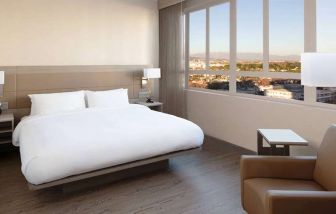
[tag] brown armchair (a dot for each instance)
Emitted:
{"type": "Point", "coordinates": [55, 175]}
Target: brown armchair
{"type": "Point", "coordinates": [285, 185]}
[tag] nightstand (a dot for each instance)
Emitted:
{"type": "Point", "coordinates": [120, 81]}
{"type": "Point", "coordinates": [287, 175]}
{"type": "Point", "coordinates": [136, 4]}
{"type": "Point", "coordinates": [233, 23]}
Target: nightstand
{"type": "Point", "coordinates": [156, 106]}
{"type": "Point", "coordinates": [6, 128]}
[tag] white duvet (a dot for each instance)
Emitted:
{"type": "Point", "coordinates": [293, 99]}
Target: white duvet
{"type": "Point", "coordinates": [64, 144]}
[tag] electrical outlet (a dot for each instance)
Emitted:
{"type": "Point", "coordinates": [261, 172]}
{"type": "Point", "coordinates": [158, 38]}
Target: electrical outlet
{"type": "Point", "coordinates": [4, 105]}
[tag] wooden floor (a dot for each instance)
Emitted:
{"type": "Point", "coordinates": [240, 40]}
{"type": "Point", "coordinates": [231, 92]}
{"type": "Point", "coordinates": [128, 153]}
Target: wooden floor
{"type": "Point", "coordinates": [203, 182]}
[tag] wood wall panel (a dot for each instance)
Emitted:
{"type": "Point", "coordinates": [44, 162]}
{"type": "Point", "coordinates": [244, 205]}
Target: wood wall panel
{"type": "Point", "coordinates": [23, 101]}
{"type": "Point", "coordinates": [19, 113]}
{"type": "Point", "coordinates": [10, 97]}
{"type": "Point", "coordinates": [42, 81]}
{"type": "Point", "coordinates": [25, 80]}
{"type": "Point", "coordinates": [10, 82]}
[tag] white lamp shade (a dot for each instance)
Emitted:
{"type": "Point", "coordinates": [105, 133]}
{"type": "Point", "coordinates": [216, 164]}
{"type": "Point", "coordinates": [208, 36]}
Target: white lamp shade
{"type": "Point", "coordinates": [152, 73]}
{"type": "Point", "coordinates": [318, 69]}
{"type": "Point", "coordinates": [2, 77]}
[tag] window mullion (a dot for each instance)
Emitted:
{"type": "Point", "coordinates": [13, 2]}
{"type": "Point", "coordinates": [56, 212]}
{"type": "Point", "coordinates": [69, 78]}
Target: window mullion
{"type": "Point", "coordinates": [266, 37]}
{"type": "Point", "coordinates": [310, 42]}
{"type": "Point", "coordinates": [207, 46]}
{"type": "Point", "coordinates": [186, 49]}
{"type": "Point", "coordinates": [233, 47]}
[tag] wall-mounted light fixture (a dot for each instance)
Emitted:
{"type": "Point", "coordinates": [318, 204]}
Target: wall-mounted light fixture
{"type": "Point", "coordinates": [2, 82]}
{"type": "Point", "coordinates": [150, 73]}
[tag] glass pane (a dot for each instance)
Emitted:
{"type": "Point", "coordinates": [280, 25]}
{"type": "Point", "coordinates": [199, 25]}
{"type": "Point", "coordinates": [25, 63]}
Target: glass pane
{"type": "Point", "coordinates": [326, 31]}
{"type": "Point", "coordinates": [286, 40]}
{"type": "Point", "coordinates": [271, 87]}
{"type": "Point", "coordinates": [220, 37]}
{"type": "Point", "coordinates": [197, 40]}
{"type": "Point", "coordinates": [326, 42]}
{"type": "Point", "coordinates": [249, 35]}
{"type": "Point", "coordinates": [213, 82]}
{"type": "Point", "coordinates": [326, 95]}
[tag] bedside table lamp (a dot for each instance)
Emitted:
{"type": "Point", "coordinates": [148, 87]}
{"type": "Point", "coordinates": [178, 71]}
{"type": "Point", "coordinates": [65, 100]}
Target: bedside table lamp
{"type": "Point", "coordinates": [2, 82]}
{"type": "Point", "coordinates": [150, 73]}
{"type": "Point", "coordinates": [318, 69]}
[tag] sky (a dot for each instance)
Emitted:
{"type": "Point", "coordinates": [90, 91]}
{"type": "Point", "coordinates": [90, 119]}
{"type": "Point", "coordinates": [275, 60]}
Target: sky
{"type": "Point", "coordinates": [286, 27]}
{"type": "Point", "coordinates": [326, 26]}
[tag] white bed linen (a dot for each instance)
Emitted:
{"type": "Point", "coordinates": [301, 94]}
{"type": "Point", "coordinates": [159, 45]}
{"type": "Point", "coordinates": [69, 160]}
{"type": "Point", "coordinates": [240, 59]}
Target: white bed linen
{"type": "Point", "coordinates": [64, 144]}
{"type": "Point", "coordinates": [57, 102]}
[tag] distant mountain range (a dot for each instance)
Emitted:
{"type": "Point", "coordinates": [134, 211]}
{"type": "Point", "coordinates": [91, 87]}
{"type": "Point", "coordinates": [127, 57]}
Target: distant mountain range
{"type": "Point", "coordinates": [248, 56]}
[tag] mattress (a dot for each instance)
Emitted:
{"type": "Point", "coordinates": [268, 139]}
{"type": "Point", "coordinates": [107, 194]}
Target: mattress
{"type": "Point", "coordinates": [59, 145]}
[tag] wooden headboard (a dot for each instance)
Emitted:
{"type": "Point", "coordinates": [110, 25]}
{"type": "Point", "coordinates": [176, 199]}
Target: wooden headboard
{"type": "Point", "coordinates": [23, 80]}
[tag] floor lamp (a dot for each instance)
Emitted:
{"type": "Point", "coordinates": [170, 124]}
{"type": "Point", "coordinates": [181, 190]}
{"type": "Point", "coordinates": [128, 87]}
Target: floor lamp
{"type": "Point", "coordinates": [318, 69]}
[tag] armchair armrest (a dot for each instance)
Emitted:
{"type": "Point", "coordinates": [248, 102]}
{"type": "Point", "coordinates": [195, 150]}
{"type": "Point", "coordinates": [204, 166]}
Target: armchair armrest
{"type": "Point", "coordinates": [277, 167]}
{"type": "Point", "coordinates": [308, 202]}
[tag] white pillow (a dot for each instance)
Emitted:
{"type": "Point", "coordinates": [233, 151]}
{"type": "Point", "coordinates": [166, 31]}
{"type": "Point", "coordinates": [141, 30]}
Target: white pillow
{"type": "Point", "coordinates": [57, 102]}
{"type": "Point", "coordinates": [107, 99]}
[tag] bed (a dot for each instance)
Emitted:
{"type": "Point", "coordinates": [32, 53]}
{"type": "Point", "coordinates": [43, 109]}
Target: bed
{"type": "Point", "coordinates": [65, 147]}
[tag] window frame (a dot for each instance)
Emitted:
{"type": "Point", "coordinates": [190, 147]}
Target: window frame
{"type": "Point", "coordinates": [310, 45]}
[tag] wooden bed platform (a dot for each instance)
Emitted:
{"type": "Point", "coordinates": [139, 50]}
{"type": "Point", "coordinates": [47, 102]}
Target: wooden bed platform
{"type": "Point", "coordinates": [114, 173]}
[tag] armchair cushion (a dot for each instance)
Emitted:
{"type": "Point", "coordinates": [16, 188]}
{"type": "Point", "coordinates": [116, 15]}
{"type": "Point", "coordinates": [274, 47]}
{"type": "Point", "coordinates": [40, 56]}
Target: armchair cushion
{"type": "Point", "coordinates": [256, 189]}
{"type": "Point", "coordinates": [275, 167]}
{"type": "Point", "coordinates": [307, 202]}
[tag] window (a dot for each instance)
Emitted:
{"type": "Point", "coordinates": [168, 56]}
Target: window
{"type": "Point", "coordinates": [283, 54]}
{"type": "Point", "coordinates": [209, 52]}
{"type": "Point", "coordinates": [326, 95]}
{"type": "Point", "coordinates": [269, 39]}
{"type": "Point", "coordinates": [250, 35]}
{"type": "Point", "coordinates": [219, 38]}
{"type": "Point", "coordinates": [197, 40]}
{"type": "Point", "coordinates": [271, 87]}
{"type": "Point", "coordinates": [326, 42]}
{"type": "Point", "coordinates": [209, 81]}
{"type": "Point", "coordinates": [325, 21]}
{"type": "Point", "coordinates": [286, 35]}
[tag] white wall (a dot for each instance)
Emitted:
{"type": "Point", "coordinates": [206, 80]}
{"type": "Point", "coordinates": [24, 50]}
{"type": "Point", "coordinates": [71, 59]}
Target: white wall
{"type": "Point", "coordinates": [78, 32]}
{"type": "Point", "coordinates": [235, 119]}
